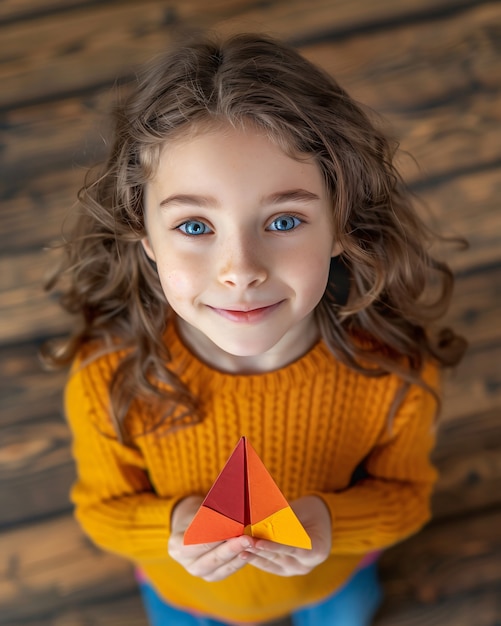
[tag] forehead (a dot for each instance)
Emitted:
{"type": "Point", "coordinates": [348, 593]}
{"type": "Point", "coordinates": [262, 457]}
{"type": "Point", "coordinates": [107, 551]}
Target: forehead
{"type": "Point", "coordinates": [222, 149]}
{"type": "Point", "coordinates": [221, 128]}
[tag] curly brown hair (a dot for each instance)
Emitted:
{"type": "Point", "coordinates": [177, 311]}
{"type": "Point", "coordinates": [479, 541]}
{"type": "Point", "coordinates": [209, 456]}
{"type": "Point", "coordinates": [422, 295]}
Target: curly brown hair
{"type": "Point", "coordinates": [382, 326]}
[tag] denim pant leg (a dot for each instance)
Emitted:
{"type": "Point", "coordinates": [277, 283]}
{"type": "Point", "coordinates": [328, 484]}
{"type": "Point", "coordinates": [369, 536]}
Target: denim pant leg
{"type": "Point", "coordinates": [353, 605]}
{"type": "Point", "coordinates": [161, 614]}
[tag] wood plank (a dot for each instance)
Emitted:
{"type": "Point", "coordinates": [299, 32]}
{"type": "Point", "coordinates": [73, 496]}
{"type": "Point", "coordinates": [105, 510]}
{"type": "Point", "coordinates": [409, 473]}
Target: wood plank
{"type": "Point", "coordinates": [481, 608]}
{"type": "Point", "coordinates": [459, 135]}
{"type": "Point", "coordinates": [27, 392]}
{"type": "Point", "coordinates": [469, 483]}
{"type": "Point", "coordinates": [78, 49]}
{"type": "Point", "coordinates": [83, 39]}
{"type": "Point", "coordinates": [466, 434]}
{"type": "Point", "coordinates": [476, 306]}
{"type": "Point", "coordinates": [323, 19]}
{"type": "Point", "coordinates": [51, 566]}
{"type": "Point", "coordinates": [12, 10]}
{"type": "Point", "coordinates": [433, 577]}
{"type": "Point", "coordinates": [124, 610]}
{"type": "Point", "coordinates": [37, 212]}
{"type": "Point", "coordinates": [26, 310]}
{"type": "Point", "coordinates": [475, 385]}
{"type": "Point", "coordinates": [54, 135]}
{"type": "Point", "coordinates": [421, 64]}
{"type": "Point", "coordinates": [467, 206]}
{"type": "Point", "coordinates": [346, 14]}
{"type": "Point", "coordinates": [468, 458]}
{"type": "Point", "coordinates": [35, 461]}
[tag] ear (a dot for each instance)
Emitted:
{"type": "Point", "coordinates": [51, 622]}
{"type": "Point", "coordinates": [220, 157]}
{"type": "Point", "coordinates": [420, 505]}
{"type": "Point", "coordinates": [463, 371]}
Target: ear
{"type": "Point", "coordinates": [145, 242]}
{"type": "Point", "coordinates": [336, 249]}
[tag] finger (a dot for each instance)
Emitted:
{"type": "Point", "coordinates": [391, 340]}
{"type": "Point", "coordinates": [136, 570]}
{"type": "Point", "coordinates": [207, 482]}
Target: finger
{"type": "Point", "coordinates": [229, 568]}
{"type": "Point", "coordinates": [188, 553]}
{"type": "Point", "coordinates": [286, 566]}
{"type": "Point", "coordinates": [220, 561]}
{"type": "Point", "coordinates": [274, 551]}
{"type": "Point", "coordinates": [263, 545]}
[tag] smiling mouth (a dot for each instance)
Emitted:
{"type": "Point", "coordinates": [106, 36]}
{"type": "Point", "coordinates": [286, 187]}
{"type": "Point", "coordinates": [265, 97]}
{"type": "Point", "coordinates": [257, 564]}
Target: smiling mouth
{"type": "Point", "coordinates": [247, 317]}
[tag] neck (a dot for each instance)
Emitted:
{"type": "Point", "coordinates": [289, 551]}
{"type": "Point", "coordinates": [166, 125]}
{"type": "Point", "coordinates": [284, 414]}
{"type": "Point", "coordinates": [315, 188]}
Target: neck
{"type": "Point", "coordinates": [289, 349]}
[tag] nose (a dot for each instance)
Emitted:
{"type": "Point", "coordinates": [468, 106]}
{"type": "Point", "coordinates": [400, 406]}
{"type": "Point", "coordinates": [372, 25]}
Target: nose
{"type": "Point", "coordinates": [242, 264]}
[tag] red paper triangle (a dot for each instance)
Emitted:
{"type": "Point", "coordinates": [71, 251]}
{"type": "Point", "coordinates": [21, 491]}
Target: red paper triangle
{"type": "Point", "coordinates": [227, 494]}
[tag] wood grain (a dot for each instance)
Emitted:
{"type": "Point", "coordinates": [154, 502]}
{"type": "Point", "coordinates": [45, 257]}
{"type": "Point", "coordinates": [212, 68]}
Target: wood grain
{"type": "Point", "coordinates": [481, 608]}
{"type": "Point", "coordinates": [121, 610]}
{"type": "Point", "coordinates": [27, 392]}
{"type": "Point", "coordinates": [35, 460]}
{"type": "Point", "coordinates": [419, 65]}
{"type": "Point", "coordinates": [468, 458]}
{"type": "Point", "coordinates": [475, 386]}
{"type": "Point", "coordinates": [52, 566]}
{"type": "Point", "coordinates": [435, 566]}
{"type": "Point", "coordinates": [42, 55]}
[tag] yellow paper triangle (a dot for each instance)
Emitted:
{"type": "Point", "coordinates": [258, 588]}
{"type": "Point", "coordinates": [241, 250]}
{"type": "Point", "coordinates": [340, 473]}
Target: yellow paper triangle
{"type": "Point", "coordinates": [282, 527]}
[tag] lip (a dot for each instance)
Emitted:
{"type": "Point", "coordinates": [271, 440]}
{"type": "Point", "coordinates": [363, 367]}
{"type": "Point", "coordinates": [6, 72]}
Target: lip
{"type": "Point", "coordinates": [247, 315]}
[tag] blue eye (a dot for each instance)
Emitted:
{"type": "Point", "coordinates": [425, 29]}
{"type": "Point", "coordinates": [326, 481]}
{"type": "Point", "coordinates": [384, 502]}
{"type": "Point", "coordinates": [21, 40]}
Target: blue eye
{"type": "Point", "coordinates": [284, 223]}
{"type": "Point", "coordinates": [194, 228]}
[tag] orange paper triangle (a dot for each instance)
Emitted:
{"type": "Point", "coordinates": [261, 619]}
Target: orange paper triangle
{"type": "Point", "coordinates": [245, 499]}
{"type": "Point", "coordinates": [212, 526]}
{"type": "Point", "coordinates": [264, 496]}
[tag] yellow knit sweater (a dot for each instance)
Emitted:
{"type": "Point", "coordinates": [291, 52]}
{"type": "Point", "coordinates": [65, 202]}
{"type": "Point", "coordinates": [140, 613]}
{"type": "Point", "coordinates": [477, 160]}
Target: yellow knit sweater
{"type": "Point", "coordinates": [312, 423]}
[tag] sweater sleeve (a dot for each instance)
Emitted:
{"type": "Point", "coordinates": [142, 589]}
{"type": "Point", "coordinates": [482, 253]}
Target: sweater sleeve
{"type": "Point", "coordinates": [114, 501]}
{"type": "Point", "coordinates": [393, 500]}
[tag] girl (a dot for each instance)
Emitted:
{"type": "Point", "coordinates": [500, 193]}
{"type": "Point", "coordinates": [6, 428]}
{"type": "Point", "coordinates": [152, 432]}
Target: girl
{"type": "Point", "coordinates": [248, 263]}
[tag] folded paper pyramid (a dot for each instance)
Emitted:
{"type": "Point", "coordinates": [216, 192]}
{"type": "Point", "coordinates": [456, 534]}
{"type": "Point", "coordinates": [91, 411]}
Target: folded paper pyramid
{"type": "Point", "coordinates": [245, 499]}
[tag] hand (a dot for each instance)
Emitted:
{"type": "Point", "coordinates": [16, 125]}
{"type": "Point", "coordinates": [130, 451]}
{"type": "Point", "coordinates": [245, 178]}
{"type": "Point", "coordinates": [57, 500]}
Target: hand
{"type": "Point", "coordinates": [209, 561]}
{"type": "Point", "coordinates": [276, 558]}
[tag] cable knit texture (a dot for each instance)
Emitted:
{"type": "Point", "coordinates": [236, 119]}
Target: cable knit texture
{"type": "Point", "coordinates": [312, 423]}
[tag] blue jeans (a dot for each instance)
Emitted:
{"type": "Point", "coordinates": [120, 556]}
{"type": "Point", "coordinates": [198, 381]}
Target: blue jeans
{"type": "Point", "coordinates": [353, 605]}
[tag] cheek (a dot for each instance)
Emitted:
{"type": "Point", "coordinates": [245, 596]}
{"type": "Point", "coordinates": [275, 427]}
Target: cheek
{"type": "Point", "coordinates": [312, 275]}
{"type": "Point", "coordinates": [177, 283]}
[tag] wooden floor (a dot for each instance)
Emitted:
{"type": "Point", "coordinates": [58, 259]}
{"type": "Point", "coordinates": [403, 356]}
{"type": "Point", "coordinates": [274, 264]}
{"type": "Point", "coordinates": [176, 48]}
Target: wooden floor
{"type": "Point", "coordinates": [433, 69]}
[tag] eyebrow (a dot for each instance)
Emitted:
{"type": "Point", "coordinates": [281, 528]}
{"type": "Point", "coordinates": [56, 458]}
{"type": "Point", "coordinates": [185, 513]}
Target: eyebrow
{"type": "Point", "coordinates": [291, 195]}
{"type": "Point", "coordinates": [279, 197]}
{"type": "Point", "coordinates": [191, 199]}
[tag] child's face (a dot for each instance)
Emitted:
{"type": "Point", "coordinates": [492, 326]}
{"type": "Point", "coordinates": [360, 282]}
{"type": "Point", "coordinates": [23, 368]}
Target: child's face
{"type": "Point", "coordinates": [242, 237]}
